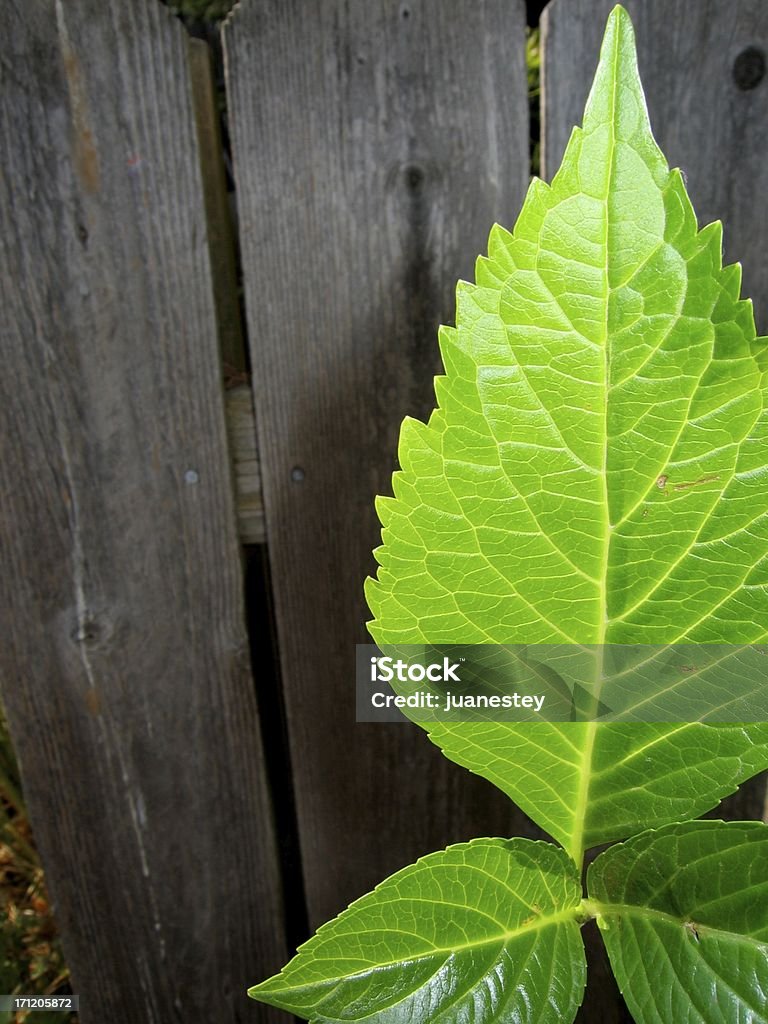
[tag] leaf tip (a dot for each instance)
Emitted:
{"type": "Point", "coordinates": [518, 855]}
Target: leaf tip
{"type": "Point", "coordinates": [617, 79]}
{"type": "Point", "coordinates": [619, 30]}
{"type": "Point", "coordinates": [262, 990]}
{"type": "Point", "coordinates": [618, 13]}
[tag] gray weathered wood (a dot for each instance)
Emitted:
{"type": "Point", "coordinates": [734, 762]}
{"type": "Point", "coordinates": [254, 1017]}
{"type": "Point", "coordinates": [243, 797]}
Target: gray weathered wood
{"type": "Point", "coordinates": [374, 146]}
{"type": "Point", "coordinates": [718, 133]}
{"type": "Point", "coordinates": [124, 664]}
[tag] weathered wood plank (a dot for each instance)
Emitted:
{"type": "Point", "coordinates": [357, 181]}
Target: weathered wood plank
{"type": "Point", "coordinates": [695, 57]}
{"type": "Point", "coordinates": [125, 665]}
{"type": "Point", "coordinates": [374, 145]}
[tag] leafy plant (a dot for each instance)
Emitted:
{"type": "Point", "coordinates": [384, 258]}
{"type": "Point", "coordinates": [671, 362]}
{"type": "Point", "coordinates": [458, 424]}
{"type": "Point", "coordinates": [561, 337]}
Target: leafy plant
{"type": "Point", "coordinates": [533, 71]}
{"type": "Point", "coordinates": [596, 472]}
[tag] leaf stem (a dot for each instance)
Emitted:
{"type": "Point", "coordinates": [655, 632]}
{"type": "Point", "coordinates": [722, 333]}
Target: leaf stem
{"type": "Point", "coordinates": [589, 910]}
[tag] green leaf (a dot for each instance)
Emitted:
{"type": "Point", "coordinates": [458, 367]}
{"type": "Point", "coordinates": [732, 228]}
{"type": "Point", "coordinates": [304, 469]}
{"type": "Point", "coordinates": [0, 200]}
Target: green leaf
{"type": "Point", "coordinates": [487, 931]}
{"type": "Point", "coordinates": [595, 472]}
{"type": "Point", "coordinates": [684, 915]}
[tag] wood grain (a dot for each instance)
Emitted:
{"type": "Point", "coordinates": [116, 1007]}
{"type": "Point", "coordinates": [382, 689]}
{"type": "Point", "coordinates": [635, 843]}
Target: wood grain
{"type": "Point", "coordinates": [125, 665]}
{"type": "Point", "coordinates": [374, 146]}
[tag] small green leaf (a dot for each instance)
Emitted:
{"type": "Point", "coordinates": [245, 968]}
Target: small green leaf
{"type": "Point", "coordinates": [487, 931]}
{"type": "Point", "coordinates": [684, 915]}
{"type": "Point", "coordinates": [596, 472]}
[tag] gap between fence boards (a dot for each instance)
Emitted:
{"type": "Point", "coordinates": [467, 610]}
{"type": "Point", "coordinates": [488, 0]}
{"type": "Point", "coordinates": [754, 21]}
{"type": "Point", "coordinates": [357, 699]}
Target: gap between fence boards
{"type": "Point", "coordinates": [222, 245]}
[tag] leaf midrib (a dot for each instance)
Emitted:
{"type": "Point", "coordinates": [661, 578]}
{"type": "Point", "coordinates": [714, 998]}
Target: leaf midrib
{"type": "Point", "coordinates": [630, 910]}
{"type": "Point", "coordinates": [503, 938]}
{"type": "Point", "coordinates": [577, 847]}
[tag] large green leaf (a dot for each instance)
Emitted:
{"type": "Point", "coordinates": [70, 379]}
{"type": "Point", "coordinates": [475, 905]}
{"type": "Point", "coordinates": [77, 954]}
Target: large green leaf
{"type": "Point", "coordinates": [596, 472]}
{"type": "Point", "coordinates": [684, 915]}
{"type": "Point", "coordinates": [483, 931]}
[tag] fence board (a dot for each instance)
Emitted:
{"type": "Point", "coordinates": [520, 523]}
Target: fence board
{"type": "Point", "coordinates": [695, 57]}
{"type": "Point", "coordinates": [125, 666]}
{"type": "Point", "coordinates": [374, 145]}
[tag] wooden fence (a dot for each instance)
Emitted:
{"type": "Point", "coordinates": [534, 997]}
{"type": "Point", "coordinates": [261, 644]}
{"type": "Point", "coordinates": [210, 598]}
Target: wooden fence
{"type": "Point", "coordinates": [180, 604]}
